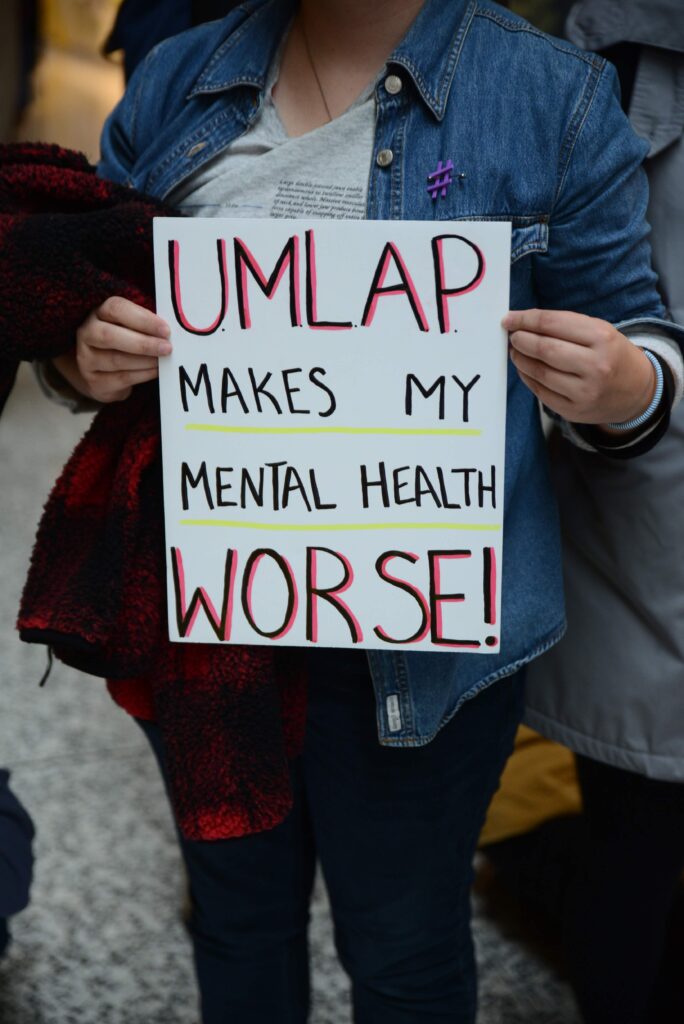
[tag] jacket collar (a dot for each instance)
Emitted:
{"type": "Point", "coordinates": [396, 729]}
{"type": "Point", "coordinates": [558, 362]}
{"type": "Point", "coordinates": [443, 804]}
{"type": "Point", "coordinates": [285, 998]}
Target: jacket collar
{"type": "Point", "coordinates": [431, 67]}
{"type": "Point", "coordinates": [244, 56]}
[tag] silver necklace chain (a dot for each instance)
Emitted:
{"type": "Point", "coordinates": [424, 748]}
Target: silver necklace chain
{"type": "Point", "coordinates": [313, 68]}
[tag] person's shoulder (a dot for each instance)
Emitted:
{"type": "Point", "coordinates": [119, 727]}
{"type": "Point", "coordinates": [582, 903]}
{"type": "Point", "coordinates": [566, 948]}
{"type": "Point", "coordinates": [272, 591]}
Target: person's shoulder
{"type": "Point", "coordinates": [543, 72]}
{"type": "Point", "coordinates": [526, 40]}
{"type": "Point", "coordinates": [174, 70]}
{"type": "Point", "coordinates": [197, 46]}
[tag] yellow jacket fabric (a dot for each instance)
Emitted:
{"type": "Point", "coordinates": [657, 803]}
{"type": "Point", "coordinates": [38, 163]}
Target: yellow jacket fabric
{"type": "Point", "coordinates": [538, 783]}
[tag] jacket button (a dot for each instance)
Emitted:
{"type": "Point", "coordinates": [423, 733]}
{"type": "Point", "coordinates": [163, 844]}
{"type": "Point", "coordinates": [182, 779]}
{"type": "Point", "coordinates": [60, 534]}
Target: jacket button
{"type": "Point", "coordinates": [194, 150]}
{"type": "Point", "coordinates": [385, 157]}
{"type": "Point", "coordinates": [393, 84]}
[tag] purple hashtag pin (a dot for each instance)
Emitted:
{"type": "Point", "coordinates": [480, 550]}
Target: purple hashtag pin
{"type": "Point", "coordinates": [440, 179]}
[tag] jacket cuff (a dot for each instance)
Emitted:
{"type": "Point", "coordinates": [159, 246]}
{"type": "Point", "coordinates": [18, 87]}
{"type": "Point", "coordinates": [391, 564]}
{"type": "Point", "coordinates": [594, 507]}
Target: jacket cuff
{"type": "Point", "coordinates": [613, 445]}
{"type": "Point", "coordinates": [58, 390]}
{"type": "Point", "coordinates": [664, 339]}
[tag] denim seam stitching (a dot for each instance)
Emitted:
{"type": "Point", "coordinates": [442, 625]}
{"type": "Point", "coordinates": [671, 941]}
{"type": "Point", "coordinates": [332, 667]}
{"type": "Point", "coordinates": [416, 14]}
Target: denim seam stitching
{"type": "Point", "coordinates": [538, 245]}
{"type": "Point", "coordinates": [516, 219]}
{"type": "Point", "coordinates": [137, 96]}
{"type": "Point", "coordinates": [523, 250]}
{"type": "Point", "coordinates": [252, 11]}
{"type": "Point", "coordinates": [207, 128]}
{"type": "Point", "coordinates": [231, 83]}
{"type": "Point", "coordinates": [513, 26]}
{"type": "Point", "coordinates": [383, 129]}
{"type": "Point", "coordinates": [396, 187]}
{"type": "Point", "coordinates": [506, 670]}
{"type": "Point", "coordinates": [407, 63]}
{"type": "Point", "coordinates": [580, 117]}
{"type": "Point", "coordinates": [457, 48]}
{"type": "Point", "coordinates": [404, 692]}
{"type": "Point", "coordinates": [437, 103]}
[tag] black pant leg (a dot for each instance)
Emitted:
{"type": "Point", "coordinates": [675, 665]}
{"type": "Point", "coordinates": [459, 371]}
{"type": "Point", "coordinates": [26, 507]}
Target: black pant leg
{"type": "Point", "coordinates": [396, 830]}
{"type": "Point", "coordinates": [16, 856]}
{"type": "Point", "coordinates": [538, 867]}
{"type": "Point", "coordinates": [250, 911]}
{"type": "Point", "coordinates": [619, 903]}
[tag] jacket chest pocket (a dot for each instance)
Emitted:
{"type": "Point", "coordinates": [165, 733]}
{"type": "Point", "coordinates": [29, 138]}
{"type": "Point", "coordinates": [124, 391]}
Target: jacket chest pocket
{"type": "Point", "coordinates": [529, 234]}
{"type": "Point", "coordinates": [527, 238]}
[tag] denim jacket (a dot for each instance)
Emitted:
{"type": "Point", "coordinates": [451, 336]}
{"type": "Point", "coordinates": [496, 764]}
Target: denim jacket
{"type": "Point", "coordinates": [536, 128]}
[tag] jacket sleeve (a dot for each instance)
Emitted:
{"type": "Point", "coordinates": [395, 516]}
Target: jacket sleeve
{"type": "Point", "coordinates": [599, 258]}
{"type": "Point", "coordinates": [119, 142]}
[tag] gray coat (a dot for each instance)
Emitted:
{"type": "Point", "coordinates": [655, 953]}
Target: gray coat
{"type": "Point", "coordinates": [613, 689]}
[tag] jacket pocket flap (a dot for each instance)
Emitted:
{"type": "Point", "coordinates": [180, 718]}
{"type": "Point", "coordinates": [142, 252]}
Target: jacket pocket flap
{"type": "Point", "coordinates": [529, 237]}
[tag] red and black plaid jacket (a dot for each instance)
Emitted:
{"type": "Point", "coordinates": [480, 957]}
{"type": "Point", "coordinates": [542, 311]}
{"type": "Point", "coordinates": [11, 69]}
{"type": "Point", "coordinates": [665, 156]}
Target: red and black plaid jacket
{"type": "Point", "coordinates": [95, 591]}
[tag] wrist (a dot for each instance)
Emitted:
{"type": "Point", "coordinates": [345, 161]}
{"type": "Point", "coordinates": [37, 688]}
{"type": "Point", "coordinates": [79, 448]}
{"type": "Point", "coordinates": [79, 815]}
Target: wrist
{"type": "Point", "coordinates": [66, 367]}
{"type": "Point", "coordinates": [650, 398]}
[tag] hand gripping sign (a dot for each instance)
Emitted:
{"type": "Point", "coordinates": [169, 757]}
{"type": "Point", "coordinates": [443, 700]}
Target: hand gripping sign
{"type": "Point", "coordinates": [333, 427]}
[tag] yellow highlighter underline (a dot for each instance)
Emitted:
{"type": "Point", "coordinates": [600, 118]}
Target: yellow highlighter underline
{"type": "Point", "coordinates": [215, 428]}
{"type": "Point", "coordinates": [338, 527]}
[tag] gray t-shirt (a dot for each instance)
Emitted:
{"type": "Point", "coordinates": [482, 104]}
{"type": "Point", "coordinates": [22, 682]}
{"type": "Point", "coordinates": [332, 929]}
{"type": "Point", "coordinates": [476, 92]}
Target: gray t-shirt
{"type": "Point", "coordinates": [321, 174]}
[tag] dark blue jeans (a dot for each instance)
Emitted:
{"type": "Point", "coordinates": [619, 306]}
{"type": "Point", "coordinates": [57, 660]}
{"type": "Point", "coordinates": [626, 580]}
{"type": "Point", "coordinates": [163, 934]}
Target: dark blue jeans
{"type": "Point", "coordinates": [394, 830]}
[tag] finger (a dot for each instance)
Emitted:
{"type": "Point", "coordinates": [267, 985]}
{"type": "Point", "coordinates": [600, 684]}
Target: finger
{"type": "Point", "coordinates": [574, 327]}
{"type": "Point", "coordinates": [562, 384]}
{"type": "Point", "coordinates": [108, 382]}
{"type": "Point", "coordinates": [111, 361]}
{"type": "Point", "coordinates": [549, 398]}
{"type": "Point", "coordinates": [106, 335]}
{"type": "Point", "coordinates": [117, 310]}
{"type": "Point", "coordinates": [554, 352]}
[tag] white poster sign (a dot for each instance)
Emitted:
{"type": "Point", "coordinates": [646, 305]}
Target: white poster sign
{"type": "Point", "coordinates": [333, 425]}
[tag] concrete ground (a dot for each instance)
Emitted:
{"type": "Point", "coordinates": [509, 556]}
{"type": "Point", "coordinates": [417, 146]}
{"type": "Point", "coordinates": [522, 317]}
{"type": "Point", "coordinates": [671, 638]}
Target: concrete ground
{"type": "Point", "coordinates": [103, 942]}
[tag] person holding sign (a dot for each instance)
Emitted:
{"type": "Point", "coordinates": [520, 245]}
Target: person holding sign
{"type": "Point", "coordinates": [413, 111]}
